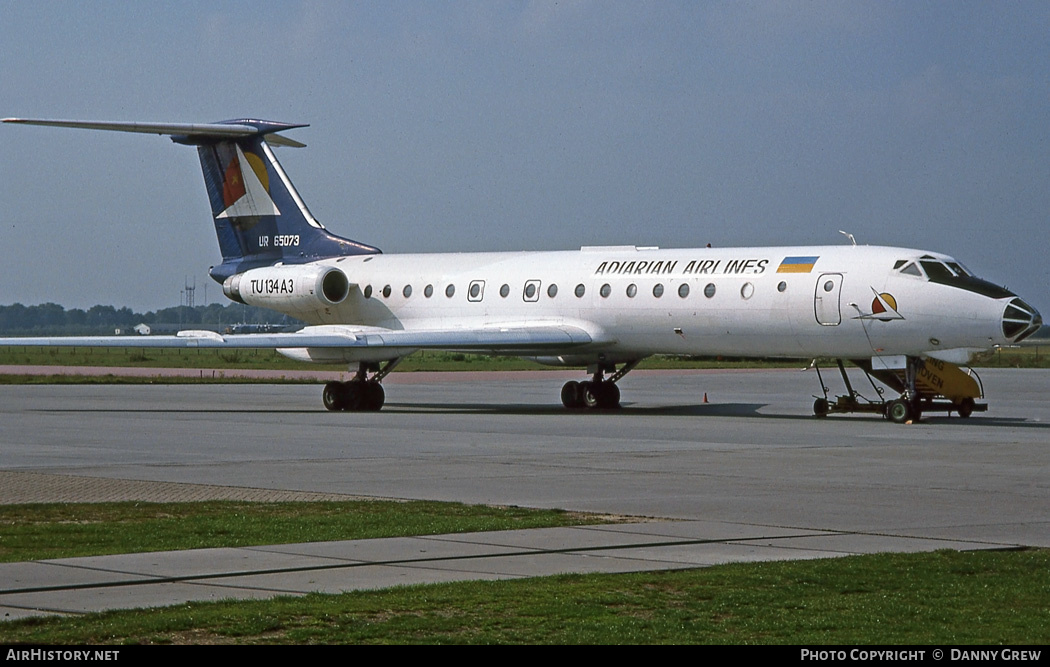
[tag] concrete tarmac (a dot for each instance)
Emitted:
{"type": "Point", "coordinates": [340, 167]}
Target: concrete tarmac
{"type": "Point", "coordinates": [751, 475]}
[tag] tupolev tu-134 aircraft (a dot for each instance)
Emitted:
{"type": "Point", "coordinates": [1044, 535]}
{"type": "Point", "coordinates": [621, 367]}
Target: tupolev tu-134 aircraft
{"type": "Point", "coordinates": [908, 318]}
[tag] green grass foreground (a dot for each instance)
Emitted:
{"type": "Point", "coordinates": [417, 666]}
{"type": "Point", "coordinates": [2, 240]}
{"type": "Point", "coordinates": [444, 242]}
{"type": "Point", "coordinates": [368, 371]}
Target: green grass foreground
{"type": "Point", "coordinates": [945, 597]}
{"type": "Point", "coordinates": [63, 530]}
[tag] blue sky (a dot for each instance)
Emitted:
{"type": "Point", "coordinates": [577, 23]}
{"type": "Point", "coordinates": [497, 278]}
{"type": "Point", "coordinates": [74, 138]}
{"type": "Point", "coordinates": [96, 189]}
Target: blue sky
{"type": "Point", "coordinates": [446, 126]}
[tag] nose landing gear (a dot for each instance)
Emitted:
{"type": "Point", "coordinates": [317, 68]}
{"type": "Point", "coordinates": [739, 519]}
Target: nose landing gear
{"type": "Point", "coordinates": [924, 385]}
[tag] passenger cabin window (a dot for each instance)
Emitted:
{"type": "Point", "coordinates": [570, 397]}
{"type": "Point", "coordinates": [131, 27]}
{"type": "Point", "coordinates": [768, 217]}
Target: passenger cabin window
{"type": "Point", "coordinates": [476, 291]}
{"type": "Point", "coordinates": [532, 290]}
{"type": "Point", "coordinates": [632, 290]}
{"type": "Point", "coordinates": [428, 291]}
{"type": "Point", "coordinates": [368, 291]}
{"type": "Point", "coordinates": [683, 290]}
{"type": "Point", "coordinates": [407, 291]}
{"type": "Point", "coordinates": [580, 290]}
{"type": "Point", "coordinates": [658, 290]}
{"type": "Point", "coordinates": [605, 291]}
{"type": "Point", "coordinates": [552, 290]}
{"type": "Point", "coordinates": [386, 292]}
{"type": "Point", "coordinates": [504, 290]}
{"type": "Point", "coordinates": [709, 290]}
{"type": "Point", "coordinates": [450, 290]}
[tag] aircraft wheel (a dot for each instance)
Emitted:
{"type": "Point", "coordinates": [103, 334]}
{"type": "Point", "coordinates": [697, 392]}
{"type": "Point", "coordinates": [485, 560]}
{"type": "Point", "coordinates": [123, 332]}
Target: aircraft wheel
{"type": "Point", "coordinates": [591, 394]}
{"type": "Point", "coordinates": [353, 394]}
{"type": "Point", "coordinates": [821, 408]}
{"type": "Point", "coordinates": [334, 396]}
{"type": "Point", "coordinates": [372, 397]}
{"type": "Point", "coordinates": [572, 395]}
{"type": "Point", "coordinates": [900, 411]}
{"type": "Point", "coordinates": [603, 395]}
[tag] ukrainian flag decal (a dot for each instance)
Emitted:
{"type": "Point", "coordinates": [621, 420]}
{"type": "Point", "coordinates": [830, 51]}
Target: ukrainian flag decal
{"type": "Point", "coordinates": [797, 264]}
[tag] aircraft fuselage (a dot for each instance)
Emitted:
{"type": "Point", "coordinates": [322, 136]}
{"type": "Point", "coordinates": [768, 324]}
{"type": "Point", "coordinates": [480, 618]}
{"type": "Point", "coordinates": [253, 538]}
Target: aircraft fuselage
{"type": "Point", "coordinates": [637, 302]}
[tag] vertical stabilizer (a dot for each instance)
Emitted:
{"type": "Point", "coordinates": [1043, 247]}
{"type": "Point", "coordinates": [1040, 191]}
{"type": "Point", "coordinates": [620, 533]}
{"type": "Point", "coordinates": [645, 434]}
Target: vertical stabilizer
{"type": "Point", "coordinates": [259, 217]}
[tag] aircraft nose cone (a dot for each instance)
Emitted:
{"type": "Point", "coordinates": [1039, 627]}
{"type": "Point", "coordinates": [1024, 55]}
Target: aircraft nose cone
{"type": "Point", "coordinates": [1020, 320]}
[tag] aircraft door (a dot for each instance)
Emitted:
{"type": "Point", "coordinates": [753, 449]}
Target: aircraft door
{"type": "Point", "coordinates": [826, 299]}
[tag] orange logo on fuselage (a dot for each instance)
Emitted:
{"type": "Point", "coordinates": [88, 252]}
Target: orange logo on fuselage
{"type": "Point", "coordinates": [884, 307]}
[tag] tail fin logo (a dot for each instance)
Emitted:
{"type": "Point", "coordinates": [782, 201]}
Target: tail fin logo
{"type": "Point", "coordinates": [246, 187]}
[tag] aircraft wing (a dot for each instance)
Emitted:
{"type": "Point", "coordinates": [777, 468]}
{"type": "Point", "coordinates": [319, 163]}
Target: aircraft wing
{"type": "Point", "coordinates": [509, 338]}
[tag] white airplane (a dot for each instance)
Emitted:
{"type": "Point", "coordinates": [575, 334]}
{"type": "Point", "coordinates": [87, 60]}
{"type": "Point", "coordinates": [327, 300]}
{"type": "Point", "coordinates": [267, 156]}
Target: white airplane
{"type": "Point", "coordinates": [907, 317]}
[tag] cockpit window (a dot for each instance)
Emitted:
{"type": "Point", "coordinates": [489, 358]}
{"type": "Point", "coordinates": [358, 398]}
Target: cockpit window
{"type": "Point", "coordinates": [947, 271]}
{"type": "Point", "coordinates": [1020, 320]}
{"type": "Point", "coordinates": [936, 271]}
{"type": "Point", "coordinates": [910, 269]}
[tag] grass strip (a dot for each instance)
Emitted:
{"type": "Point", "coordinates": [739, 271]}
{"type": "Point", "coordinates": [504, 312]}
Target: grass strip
{"type": "Point", "coordinates": [945, 597]}
{"type": "Point", "coordinates": [62, 530]}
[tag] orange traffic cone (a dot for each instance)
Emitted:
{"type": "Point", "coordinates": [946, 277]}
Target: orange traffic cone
{"type": "Point", "coordinates": [705, 397]}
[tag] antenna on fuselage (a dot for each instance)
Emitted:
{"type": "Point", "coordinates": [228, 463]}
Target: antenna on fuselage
{"type": "Point", "coordinates": [849, 236]}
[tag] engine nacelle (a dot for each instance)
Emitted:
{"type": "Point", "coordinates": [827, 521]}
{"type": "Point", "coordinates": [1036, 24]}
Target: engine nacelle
{"type": "Point", "coordinates": [294, 288]}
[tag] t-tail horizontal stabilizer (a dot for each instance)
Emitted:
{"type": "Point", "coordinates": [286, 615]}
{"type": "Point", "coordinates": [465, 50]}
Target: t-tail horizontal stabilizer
{"type": "Point", "coordinates": [260, 219]}
{"type": "Point", "coordinates": [189, 133]}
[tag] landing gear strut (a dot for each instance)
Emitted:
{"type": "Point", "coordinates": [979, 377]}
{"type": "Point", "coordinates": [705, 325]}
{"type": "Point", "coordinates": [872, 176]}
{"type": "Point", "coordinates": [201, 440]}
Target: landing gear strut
{"type": "Point", "coordinates": [906, 408]}
{"type": "Point", "coordinates": [361, 393]}
{"type": "Point", "coordinates": [599, 391]}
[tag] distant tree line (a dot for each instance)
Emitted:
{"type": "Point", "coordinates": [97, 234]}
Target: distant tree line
{"type": "Point", "coordinates": [51, 319]}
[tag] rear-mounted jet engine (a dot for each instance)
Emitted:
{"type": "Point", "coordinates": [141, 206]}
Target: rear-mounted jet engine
{"type": "Point", "coordinates": [289, 288]}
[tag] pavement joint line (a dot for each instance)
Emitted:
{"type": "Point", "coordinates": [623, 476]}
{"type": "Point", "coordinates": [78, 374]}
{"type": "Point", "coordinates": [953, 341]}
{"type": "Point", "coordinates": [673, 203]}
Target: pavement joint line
{"type": "Point", "coordinates": [148, 579]}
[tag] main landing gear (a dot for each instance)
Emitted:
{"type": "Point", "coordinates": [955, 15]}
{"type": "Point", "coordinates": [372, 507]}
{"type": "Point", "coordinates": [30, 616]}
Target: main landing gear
{"type": "Point", "coordinates": [361, 393]}
{"type": "Point", "coordinates": [598, 392]}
